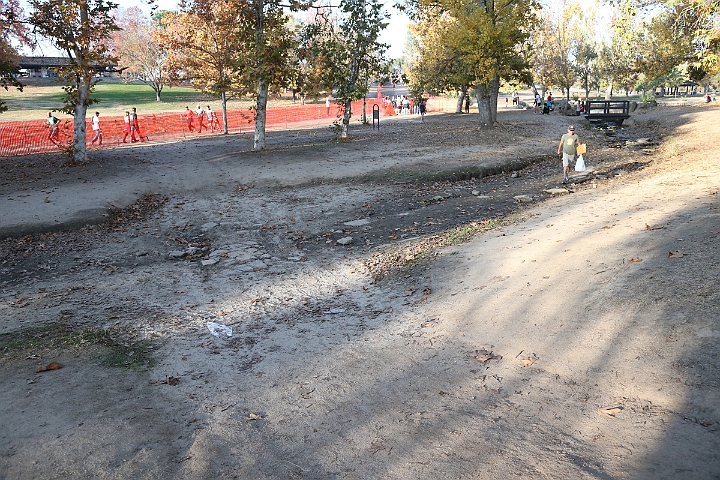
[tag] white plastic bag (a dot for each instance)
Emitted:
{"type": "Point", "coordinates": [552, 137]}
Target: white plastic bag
{"type": "Point", "coordinates": [580, 164]}
{"type": "Point", "coordinates": [217, 328]}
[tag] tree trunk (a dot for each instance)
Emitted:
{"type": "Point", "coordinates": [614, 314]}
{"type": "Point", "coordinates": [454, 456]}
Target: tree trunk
{"type": "Point", "coordinates": [482, 93]}
{"type": "Point", "coordinates": [223, 101]}
{"type": "Point", "coordinates": [345, 127]}
{"type": "Point", "coordinates": [260, 115]}
{"type": "Point", "coordinates": [461, 99]}
{"type": "Point", "coordinates": [157, 93]}
{"type": "Point", "coordinates": [79, 152]}
{"type": "Point", "coordinates": [487, 98]}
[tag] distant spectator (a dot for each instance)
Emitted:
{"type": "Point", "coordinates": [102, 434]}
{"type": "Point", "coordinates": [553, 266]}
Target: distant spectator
{"type": "Point", "coordinates": [200, 113]}
{"type": "Point", "coordinates": [54, 125]}
{"type": "Point", "coordinates": [212, 119]}
{"type": "Point", "coordinates": [137, 126]}
{"type": "Point", "coordinates": [95, 122]}
{"type": "Point", "coordinates": [133, 126]}
{"type": "Point", "coordinates": [190, 117]}
{"type": "Point", "coordinates": [126, 128]}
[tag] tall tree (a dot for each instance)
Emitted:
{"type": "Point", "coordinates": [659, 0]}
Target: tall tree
{"type": "Point", "coordinates": [232, 48]}
{"type": "Point", "coordinates": [437, 66]}
{"type": "Point", "coordinates": [270, 66]}
{"type": "Point", "coordinates": [81, 29]}
{"type": "Point", "coordinates": [347, 42]}
{"type": "Point", "coordinates": [141, 56]}
{"type": "Point", "coordinates": [491, 37]}
{"type": "Point", "coordinates": [205, 46]}
{"type": "Point", "coordinates": [564, 46]}
{"type": "Point", "coordinates": [617, 59]}
{"type": "Point", "coordinates": [11, 28]}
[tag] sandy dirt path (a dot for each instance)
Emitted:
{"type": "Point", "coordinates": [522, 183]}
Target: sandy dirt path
{"type": "Point", "coordinates": [578, 340]}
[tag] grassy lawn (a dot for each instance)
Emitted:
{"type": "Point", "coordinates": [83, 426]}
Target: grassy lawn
{"type": "Point", "coordinates": [42, 95]}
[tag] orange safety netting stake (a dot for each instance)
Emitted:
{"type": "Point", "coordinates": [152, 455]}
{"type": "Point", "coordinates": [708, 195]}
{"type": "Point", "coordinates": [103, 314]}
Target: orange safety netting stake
{"type": "Point", "coordinates": [32, 136]}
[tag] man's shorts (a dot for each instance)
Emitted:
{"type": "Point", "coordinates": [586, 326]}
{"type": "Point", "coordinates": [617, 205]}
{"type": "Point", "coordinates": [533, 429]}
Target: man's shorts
{"type": "Point", "coordinates": [568, 159]}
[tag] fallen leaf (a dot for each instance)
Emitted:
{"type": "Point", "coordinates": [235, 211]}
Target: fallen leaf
{"type": "Point", "coordinates": [636, 259]}
{"type": "Point", "coordinates": [50, 366]}
{"type": "Point", "coordinates": [253, 416]}
{"type": "Point", "coordinates": [676, 254]}
{"type": "Point", "coordinates": [610, 412]}
{"type": "Point", "coordinates": [530, 360]}
{"type": "Point", "coordinates": [172, 381]}
{"type": "Point", "coordinates": [654, 227]}
{"type": "Point", "coordinates": [485, 356]}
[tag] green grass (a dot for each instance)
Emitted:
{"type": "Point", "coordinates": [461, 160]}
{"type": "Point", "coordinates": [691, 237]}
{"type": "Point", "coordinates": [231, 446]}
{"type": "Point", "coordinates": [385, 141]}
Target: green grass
{"type": "Point", "coordinates": [41, 95]}
{"type": "Point", "coordinates": [106, 346]}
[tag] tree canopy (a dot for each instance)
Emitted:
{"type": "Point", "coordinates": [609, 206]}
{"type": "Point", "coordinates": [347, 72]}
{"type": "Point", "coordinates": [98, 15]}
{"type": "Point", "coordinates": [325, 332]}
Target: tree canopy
{"type": "Point", "coordinates": [479, 42]}
{"type": "Point", "coordinates": [11, 29]}
{"type": "Point", "coordinates": [81, 29]}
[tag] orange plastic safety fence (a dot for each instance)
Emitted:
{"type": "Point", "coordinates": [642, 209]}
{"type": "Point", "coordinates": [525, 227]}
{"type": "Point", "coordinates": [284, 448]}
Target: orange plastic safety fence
{"type": "Point", "coordinates": [33, 136]}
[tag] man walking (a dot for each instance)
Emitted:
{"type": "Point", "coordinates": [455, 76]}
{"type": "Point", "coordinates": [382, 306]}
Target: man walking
{"type": "Point", "coordinates": [568, 147]}
{"type": "Point", "coordinates": [200, 113]}
{"type": "Point", "coordinates": [133, 126]}
{"type": "Point", "coordinates": [212, 119]}
{"type": "Point", "coordinates": [190, 117]}
{"type": "Point", "coordinates": [54, 125]}
{"type": "Point", "coordinates": [95, 121]}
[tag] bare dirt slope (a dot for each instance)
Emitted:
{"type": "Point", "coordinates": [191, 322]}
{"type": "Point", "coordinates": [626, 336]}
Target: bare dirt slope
{"type": "Point", "coordinates": [573, 336]}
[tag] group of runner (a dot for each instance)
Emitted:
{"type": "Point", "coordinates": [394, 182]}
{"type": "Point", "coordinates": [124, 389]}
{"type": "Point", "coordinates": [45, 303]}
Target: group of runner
{"type": "Point", "coordinates": [131, 128]}
{"type": "Point", "coordinates": [203, 117]}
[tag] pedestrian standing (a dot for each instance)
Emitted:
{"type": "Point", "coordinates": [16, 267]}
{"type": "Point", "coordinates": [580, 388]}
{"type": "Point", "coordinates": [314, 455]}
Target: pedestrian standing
{"type": "Point", "coordinates": [133, 126]}
{"type": "Point", "coordinates": [212, 119]}
{"type": "Point", "coordinates": [54, 126]}
{"type": "Point", "coordinates": [467, 103]}
{"type": "Point", "coordinates": [95, 122]}
{"type": "Point", "coordinates": [126, 128]}
{"type": "Point", "coordinates": [327, 105]}
{"type": "Point", "coordinates": [190, 117]}
{"type": "Point", "coordinates": [423, 106]}
{"type": "Point", "coordinates": [568, 148]}
{"type": "Point", "coordinates": [136, 124]}
{"type": "Point", "coordinates": [200, 113]}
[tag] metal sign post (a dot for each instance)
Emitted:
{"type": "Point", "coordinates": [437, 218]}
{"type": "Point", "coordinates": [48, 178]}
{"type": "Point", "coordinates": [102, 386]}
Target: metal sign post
{"type": "Point", "coordinates": [376, 116]}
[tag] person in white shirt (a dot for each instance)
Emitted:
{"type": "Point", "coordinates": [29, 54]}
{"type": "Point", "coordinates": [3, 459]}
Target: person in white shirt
{"type": "Point", "coordinates": [200, 114]}
{"type": "Point", "coordinates": [212, 119]}
{"type": "Point", "coordinates": [96, 128]}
